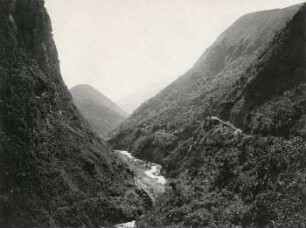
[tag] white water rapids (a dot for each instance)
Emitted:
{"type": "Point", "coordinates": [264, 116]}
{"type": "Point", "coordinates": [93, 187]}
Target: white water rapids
{"type": "Point", "coordinates": [154, 173]}
{"type": "Point", "coordinates": [147, 174]}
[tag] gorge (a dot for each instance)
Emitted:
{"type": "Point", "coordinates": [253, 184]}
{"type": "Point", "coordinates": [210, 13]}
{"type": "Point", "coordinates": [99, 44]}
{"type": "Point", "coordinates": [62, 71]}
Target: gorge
{"type": "Point", "coordinates": [230, 132]}
{"type": "Point", "coordinates": [222, 146]}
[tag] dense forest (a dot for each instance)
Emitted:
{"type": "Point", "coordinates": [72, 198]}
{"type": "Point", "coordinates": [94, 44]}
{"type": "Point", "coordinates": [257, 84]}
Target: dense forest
{"type": "Point", "coordinates": [222, 146]}
{"type": "Point", "coordinates": [54, 170]}
{"type": "Point", "coordinates": [230, 132]}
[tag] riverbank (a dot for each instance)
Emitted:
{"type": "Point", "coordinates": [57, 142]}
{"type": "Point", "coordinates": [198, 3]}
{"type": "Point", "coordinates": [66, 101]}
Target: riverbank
{"type": "Point", "coordinates": [147, 177]}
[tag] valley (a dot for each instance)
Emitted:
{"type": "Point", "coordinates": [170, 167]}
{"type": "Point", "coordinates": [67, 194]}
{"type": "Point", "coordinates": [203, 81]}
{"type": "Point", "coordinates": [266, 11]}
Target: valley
{"type": "Point", "coordinates": [222, 146]}
{"type": "Point", "coordinates": [146, 176]}
{"type": "Point", "coordinates": [230, 131]}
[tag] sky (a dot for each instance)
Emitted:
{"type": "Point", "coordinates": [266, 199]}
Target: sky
{"type": "Point", "coordinates": [123, 46]}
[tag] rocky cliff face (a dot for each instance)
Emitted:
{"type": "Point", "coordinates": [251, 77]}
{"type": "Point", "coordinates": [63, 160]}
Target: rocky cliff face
{"type": "Point", "coordinates": [54, 171]}
{"type": "Point", "coordinates": [102, 113]}
{"type": "Point", "coordinates": [254, 77]}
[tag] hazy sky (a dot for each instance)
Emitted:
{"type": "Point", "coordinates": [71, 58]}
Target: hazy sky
{"type": "Point", "coordinates": [119, 46]}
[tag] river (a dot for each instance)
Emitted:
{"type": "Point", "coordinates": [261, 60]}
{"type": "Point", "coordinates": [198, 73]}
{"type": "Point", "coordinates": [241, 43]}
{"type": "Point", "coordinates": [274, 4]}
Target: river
{"type": "Point", "coordinates": [147, 177]}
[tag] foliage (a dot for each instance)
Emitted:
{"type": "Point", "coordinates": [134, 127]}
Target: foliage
{"type": "Point", "coordinates": [235, 179]}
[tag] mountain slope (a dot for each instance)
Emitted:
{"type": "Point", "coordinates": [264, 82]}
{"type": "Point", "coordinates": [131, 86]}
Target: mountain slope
{"type": "Point", "coordinates": [254, 77]}
{"type": "Point", "coordinates": [54, 171]}
{"type": "Point", "coordinates": [103, 114]}
{"type": "Point", "coordinates": [240, 73]}
{"type": "Point", "coordinates": [226, 177]}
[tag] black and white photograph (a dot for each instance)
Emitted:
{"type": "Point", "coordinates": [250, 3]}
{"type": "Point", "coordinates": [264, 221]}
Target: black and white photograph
{"type": "Point", "coordinates": [152, 114]}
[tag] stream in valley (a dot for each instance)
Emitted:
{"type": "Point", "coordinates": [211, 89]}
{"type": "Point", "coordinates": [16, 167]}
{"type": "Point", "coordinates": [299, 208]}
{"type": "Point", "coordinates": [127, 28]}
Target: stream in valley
{"type": "Point", "coordinates": [147, 177]}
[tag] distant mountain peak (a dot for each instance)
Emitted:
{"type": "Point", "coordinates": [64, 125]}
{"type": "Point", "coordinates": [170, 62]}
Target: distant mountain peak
{"type": "Point", "coordinates": [101, 112]}
{"type": "Point", "coordinates": [93, 93]}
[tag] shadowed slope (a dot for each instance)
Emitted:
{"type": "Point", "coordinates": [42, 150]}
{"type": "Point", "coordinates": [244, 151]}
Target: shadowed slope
{"type": "Point", "coordinates": [53, 169]}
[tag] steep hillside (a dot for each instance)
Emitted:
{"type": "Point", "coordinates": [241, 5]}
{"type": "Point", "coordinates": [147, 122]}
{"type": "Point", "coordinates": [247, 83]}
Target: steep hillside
{"type": "Point", "coordinates": [243, 77]}
{"type": "Point", "coordinates": [54, 171]}
{"type": "Point", "coordinates": [102, 114]}
{"type": "Point", "coordinates": [254, 77]}
{"type": "Point", "coordinates": [225, 177]}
